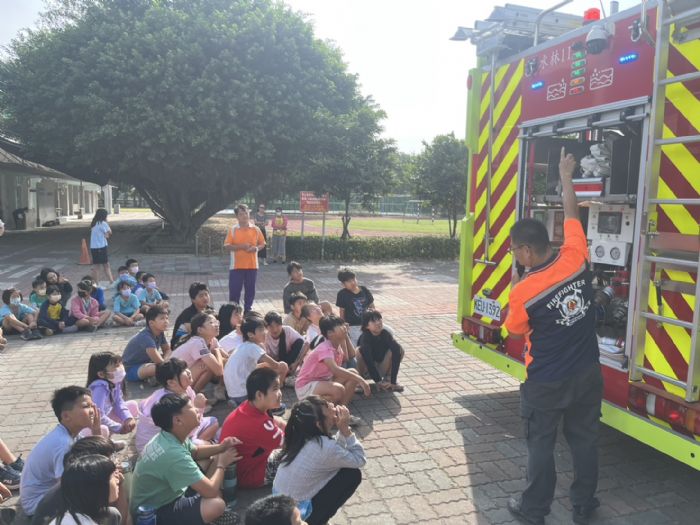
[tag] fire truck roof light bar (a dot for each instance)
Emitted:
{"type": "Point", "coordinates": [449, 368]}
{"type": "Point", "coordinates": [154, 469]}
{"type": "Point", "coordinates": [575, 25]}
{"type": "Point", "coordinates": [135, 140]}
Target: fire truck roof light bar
{"type": "Point", "coordinates": [689, 139]}
{"type": "Point", "coordinates": [671, 261]}
{"type": "Point", "coordinates": [682, 17]}
{"type": "Point", "coordinates": [669, 320]}
{"type": "Point", "coordinates": [680, 78]}
{"type": "Point", "coordinates": [661, 377]}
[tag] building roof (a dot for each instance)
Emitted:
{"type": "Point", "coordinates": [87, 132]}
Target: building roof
{"type": "Point", "coordinates": [17, 164]}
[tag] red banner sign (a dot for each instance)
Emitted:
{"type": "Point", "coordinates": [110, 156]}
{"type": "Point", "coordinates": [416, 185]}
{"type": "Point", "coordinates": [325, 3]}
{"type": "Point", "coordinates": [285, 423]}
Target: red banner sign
{"type": "Point", "coordinates": [310, 202]}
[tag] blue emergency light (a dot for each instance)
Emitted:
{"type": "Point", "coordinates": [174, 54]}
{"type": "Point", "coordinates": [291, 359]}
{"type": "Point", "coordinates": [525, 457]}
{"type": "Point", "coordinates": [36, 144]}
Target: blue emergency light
{"type": "Point", "coordinates": [537, 85]}
{"type": "Point", "coordinates": [629, 57]}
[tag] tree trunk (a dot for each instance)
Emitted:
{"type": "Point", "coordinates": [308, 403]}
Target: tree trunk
{"type": "Point", "coordinates": [346, 221]}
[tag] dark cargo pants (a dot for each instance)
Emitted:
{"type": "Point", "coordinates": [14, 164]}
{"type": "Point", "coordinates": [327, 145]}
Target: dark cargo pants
{"type": "Point", "coordinates": [578, 401]}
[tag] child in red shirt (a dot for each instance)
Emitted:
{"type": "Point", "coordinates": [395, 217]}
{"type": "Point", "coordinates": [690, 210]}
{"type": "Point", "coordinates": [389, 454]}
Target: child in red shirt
{"type": "Point", "coordinates": [261, 434]}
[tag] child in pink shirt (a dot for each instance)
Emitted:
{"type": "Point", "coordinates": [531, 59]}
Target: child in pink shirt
{"type": "Point", "coordinates": [86, 310]}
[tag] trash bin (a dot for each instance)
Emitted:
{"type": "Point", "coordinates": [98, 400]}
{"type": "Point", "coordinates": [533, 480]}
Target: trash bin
{"type": "Point", "coordinates": [20, 218]}
{"type": "Point", "coordinates": [117, 209]}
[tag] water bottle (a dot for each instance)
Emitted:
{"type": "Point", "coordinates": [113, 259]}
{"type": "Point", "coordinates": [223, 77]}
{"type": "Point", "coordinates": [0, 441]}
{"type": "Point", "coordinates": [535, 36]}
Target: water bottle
{"type": "Point", "coordinates": [146, 515]}
{"type": "Point", "coordinates": [230, 484]}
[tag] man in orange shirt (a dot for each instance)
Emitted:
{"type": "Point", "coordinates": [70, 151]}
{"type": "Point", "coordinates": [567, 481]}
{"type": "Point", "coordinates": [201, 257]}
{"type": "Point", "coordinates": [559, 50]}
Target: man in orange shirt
{"type": "Point", "coordinates": [552, 308]}
{"type": "Point", "coordinates": [244, 241]}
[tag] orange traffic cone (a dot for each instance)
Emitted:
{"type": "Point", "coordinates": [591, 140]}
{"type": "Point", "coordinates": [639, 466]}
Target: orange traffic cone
{"type": "Point", "coordinates": [84, 254]}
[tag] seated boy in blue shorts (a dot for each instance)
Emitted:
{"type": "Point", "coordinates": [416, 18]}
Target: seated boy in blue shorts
{"type": "Point", "coordinates": [149, 347]}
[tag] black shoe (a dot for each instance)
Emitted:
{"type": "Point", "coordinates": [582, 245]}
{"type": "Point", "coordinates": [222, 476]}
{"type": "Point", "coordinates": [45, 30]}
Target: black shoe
{"type": "Point", "coordinates": [17, 464]}
{"type": "Point", "coordinates": [7, 516]}
{"type": "Point", "coordinates": [517, 511]}
{"type": "Point", "coordinates": [582, 513]}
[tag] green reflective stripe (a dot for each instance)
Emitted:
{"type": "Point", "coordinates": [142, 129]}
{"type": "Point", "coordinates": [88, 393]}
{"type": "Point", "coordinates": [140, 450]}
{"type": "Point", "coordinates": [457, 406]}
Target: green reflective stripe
{"type": "Point", "coordinates": [485, 353]}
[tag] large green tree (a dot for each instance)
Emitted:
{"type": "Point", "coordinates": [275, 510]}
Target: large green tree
{"type": "Point", "coordinates": [441, 176]}
{"type": "Point", "coordinates": [354, 161]}
{"type": "Point", "coordinates": [193, 102]}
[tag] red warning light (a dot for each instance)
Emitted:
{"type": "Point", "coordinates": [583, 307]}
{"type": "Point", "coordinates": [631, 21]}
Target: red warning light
{"type": "Point", "coordinates": [591, 15]}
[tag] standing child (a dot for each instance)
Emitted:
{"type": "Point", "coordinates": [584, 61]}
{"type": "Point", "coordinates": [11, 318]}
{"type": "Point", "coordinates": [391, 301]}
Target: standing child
{"type": "Point", "coordinates": [127, 307]}
{"type": "Point", "coordinates": [261, 222]}
{"type": "Point", "coordinates": [51, 276]}
{"type": "Point", "coordinates": [99, 233]}
{"type": "Point", "coordinates": [148, 295]}
{"type": "Point", "coordinates": [54, 318]}
{"type": "Point", "coordinates": [38, 295]}
{"type": "Point", "coordinates": [353, 300]}
{"type": "Point", "coordinates": [247, 357]}
{"type": "Point", "coordinates": [105, 378]}
{"type": "Point", "coordinates": [85, 310]}
{"type": "Point", "coordinates": [380, 354]}
{"type": "Point", "coordinates": [279, 236]}
{"type": "Point", "coordinates": [16, 317]}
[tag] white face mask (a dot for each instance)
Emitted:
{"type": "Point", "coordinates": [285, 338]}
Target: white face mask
{"type": "Point", "coordinates": [15, 301]}
{"type": "Point", "coordinates": [134, 270]}
{"type": "Point", "coordinates": [126, 292]}
{"type": "Point", "coordinates": [54, 298]}
{"type": "Point", "coordinates": [118, 375]}
{"type": "Point", "coordinates": [151, 285]}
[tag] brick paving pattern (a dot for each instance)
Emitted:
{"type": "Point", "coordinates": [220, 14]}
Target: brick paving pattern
{"type": "Point", "coordinates": [447, 450]}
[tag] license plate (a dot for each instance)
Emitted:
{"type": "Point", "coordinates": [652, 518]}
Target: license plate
{"type": "Point", "coordinates": [487, 307]}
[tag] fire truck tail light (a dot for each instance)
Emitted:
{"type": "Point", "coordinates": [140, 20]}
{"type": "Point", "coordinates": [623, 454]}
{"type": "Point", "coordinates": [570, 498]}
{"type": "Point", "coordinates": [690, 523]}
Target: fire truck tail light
{"type": "Point", "coordinates": [681, 417]}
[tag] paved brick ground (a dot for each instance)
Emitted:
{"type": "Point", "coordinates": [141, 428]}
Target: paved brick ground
{"type": "Point", "coordinates": [447, 450]}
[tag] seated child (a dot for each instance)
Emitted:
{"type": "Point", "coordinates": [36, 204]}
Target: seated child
{"type": "Point", "coordinates": [174, 378]}
{"type": "Point", "coordinates": [54, 318]}
{"type": "Point", "coordinates": [127, 307]}
{"type": "Point", "coordinates": [260, 434]}
{"type": "Point", "coordinates": [3, 341]}
{"type": "Point", "coordinates": [75, 411]}
{"type": "Point", "coordinates": [297, 284]}
{"type": "Point", "coordinates": [85, 310]}
{"type": "Point", "coordinates": [380, 353]}
{"type": "Point", "coordinates": [148, 295]}
{"type": "Point", "coordinates": [96, 293]}
{"type": "Point", "coordinates": [147, 348]}
{"type": "Point", "coordinates": [199, 295]}
{"type": "Point", "coordinates": [133, 266]}
{"type": "Point", "coordinates": [294, 317]}
{"type": "Point", "coordinates": [38, 295]}
{"type": "Point", "coordinates": [200, 350]}
{"type": "Point", "coordinates": [10, 469]}
{"type": "Point", "coordinates": [16, 317]}
{"type": "Point", "coordinates": [51, 276]}
{"type": "Point", "coordinates": [247, 357]}
{"type": "Point", "coordinates": [282, 343]}
{"type": "Point", "coordinates": [322, 373]}
{"type": "Point", "coordinates": [353, 300]}
{"type": "Point", "coordinates": [168, 467]}
{"type": "Point", "coordinates": [139, 282]}
{"type": "Point", "coordinates": [105, 380]}
{"type": "Point", "coordinates": [321, 471]}
{"type": "Point", "coordinates": [280, 510]}
{"type": "Point", "coordinates": [123, 276]}
{"type": "Point", "coordinates": [233, 338]}
{"type": "Point", "coordinates": [312, 314]}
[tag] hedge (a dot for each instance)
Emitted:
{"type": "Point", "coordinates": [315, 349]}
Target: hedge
{"type": "Point", "coordinates": [356, 249]}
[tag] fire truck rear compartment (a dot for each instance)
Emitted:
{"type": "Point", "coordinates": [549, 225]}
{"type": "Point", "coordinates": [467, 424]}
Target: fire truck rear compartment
{"type": "Point", "coordinates": [607, 185]}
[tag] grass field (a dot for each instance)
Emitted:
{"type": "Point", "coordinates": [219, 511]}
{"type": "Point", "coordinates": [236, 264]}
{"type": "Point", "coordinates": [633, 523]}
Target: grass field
{"type": "Point", "coordinates": [383, 224]}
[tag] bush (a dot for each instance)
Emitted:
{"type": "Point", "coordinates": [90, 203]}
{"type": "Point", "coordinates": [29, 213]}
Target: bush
{"type": "Point", "coordinates": [357, 249]}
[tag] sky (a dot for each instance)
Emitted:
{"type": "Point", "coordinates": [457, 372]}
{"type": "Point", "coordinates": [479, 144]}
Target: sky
{"type": "Point", "coordinates": [399, 48]}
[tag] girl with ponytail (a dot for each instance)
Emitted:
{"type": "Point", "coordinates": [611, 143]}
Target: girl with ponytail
{"type": "Point", "coordinates": [318, 468]}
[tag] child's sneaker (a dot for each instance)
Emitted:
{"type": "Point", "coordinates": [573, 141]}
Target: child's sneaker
{"type": "Point", "coordinates": [70, 329]}
{"type": "Point", "coordinates": [355, 421]}
{"type": "Point", "coordinates": [92, 328]}
{"type": "Point", "coordinates": [228, 518]}
{"type": "Point", "coordinates": [17, 464]}
{"type": "Point", "coordinates": [46, 331]}
{"type": "Point", "coordinates": [9, 477]}
{"type": "Point", "coordinates": [26, 335]}
{"type": "Point", "coordinates": [35, 334]}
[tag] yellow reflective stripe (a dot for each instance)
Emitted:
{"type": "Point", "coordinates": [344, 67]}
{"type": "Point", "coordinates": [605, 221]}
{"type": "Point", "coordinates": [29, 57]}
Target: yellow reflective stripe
{"type": "Point", "coordinates": [685, 102]}
{"type": "Point", "coordinates": [507, 94]}
{"type": "Point", "coordinates": [513, 84]}
{"type": "Point", "coordinates": [484, 101]}
{"type": "Point", "coordinates": [690, 51]}
{"type": "Point", "coordinates": [681, 157]}
{"type": "Point", "coordinates": [500, 172]}
{"type": "Point", "coordinates": [681, 218]}
{"type": "Point", "coordinates": [655, 356]}
{"type": "Point", "coordinates": [683, 277]}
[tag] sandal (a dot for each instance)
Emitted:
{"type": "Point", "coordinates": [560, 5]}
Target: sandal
{"type": "Point", "coordinates": [384, 386]}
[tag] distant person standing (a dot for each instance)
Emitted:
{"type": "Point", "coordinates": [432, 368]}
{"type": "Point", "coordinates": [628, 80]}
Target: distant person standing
{"type": "Point", "coordinates": [279, 236]}
{"type": "Point", "coordinates": [261, 222]}
{"type": "Point", "coordinates": [99, 233]}
{"type": "Point", "coordinates": [244, 241]}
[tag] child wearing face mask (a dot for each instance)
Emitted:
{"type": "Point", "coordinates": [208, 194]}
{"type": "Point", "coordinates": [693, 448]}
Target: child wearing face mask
{"type": "Point", "coordinates": [148, 294]}
{"type": "Point", "coordinates": [38, 295]}
{"type": "Point", "coordinates": [127, 307]}
{"type": "Point", "coordinates": [16, 317]}
{"type": "Point", "coordinates": [105, 380]}
{"type": "Point", "coordinates": [123, 276]}
{"type": "Point", "coordinates": [85, 310]}
{"type": "Point", "coordinates": [51, 276]}
{"type": "Point", "coordinates": [54, 318]}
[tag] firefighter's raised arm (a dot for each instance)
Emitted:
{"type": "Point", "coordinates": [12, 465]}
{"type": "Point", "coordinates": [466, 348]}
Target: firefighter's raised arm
{"type": "Point", "coordinates": [567, 165]}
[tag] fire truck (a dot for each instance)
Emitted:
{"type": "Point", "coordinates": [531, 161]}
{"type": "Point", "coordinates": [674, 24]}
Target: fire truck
{"type": "Point", "coordinates": [621, 92]}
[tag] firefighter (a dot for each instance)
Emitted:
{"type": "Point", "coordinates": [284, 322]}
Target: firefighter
{"type": "Point", "coordinates": [551, 307]}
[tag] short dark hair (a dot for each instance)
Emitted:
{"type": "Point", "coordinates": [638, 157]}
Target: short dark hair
{"type": "Point", "coordinates": [123, 284]}
{"type": "Point", "coordinates": [250, 324]}
{"type": "Point", "coordinates": [154, 311]}
{"type": "Point", "coordinates": [146, 276]}
{"type": "Point", "coordinates": [139, 275]}
{"type": "Point", "coordinates": [369, 316]}
{"type": "Point", "coordinates": [241, 207]}
{"type": "Point", "coordinates": [85, 486]}
{"type": "Point", "coordinates": [166, 408]}
{"type": "Point", "coordinates": [85, 286]}
{"type": "Point", "coordinates": [259, 380]}
{"type": "Point", "coordinates": [122, 269]}
{"type": "Point", "coordinates": [271, 510]}
{"type": "Point", "coordinates": [345, 274]}
{"type": "Point", "coordinates": [99, 445]}
{"type": "Point", "coordinates": [38, 282]}
{"type": "Point", "coordinates": [532, 233]}
{"type": "Point", "coordinates": [293, 265]}
{"type": "Point", "coordinates": [273, 317]}
{"type": "Point", "coordinates": [306, 309]}
{"type": "Point", "coordinates": [64, 398]}
{"type": "Point", "coordinates": [195, 288]}
{"type": "Point", "coordinates": [170, 369]}
{"type": "Point", "coordinates": [52, 288]}
{"type": "Point", "coordinates": [129, 262]}
{"type": "Point", "coordinates": [328, 323]}
{"type": "Point", "coordinates": [7, 294]}
{"type": "Point", "coordinates": [297, 296]}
